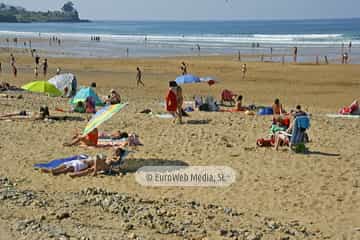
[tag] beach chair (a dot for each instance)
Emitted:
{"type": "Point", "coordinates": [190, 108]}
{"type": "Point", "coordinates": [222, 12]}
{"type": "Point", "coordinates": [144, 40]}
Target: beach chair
{"type": "Point", "coordinates": [227, 97]}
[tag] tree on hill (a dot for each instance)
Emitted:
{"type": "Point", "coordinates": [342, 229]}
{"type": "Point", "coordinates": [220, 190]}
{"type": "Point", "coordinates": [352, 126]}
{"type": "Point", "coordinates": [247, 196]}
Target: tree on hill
{"type": "Point", "coordinates": [68, 7]}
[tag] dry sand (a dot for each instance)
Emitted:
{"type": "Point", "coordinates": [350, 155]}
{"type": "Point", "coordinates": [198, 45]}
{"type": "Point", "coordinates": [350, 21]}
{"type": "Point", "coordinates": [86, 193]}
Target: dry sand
{"type": "Point", "coordinates": [320, 189]}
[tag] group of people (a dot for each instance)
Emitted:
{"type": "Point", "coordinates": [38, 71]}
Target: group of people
{"type": "Point", "coordinates": [44, 65]}
{"type": "Point", "coordinates": [55, 40]}
{"type": "Point", "coordinates": [283, 125]}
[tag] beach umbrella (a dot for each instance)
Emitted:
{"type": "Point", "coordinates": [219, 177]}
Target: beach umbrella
{"type": "Point", "coordinates": [209, 80]}
{"type": "Point", "coordinates": [187, 79]}
{"type": "Point", "coordinates": [83, 94]}
{"type": "Point", "coordinates": [103, 115]}
{"type": "Point", "coordinates": [67, 80]}
{"type": "Point", "coordinates": [42, 87]}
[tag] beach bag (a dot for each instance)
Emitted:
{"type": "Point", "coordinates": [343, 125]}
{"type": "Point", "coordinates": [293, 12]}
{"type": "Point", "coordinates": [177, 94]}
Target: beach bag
{"type": "Point", "coordinates": [261, 142]}
{"type": "Point", "coordinates": [204, 107]}
{"type": "Point", "coordinates": [265, 111]}
{"type": "Point", "coordinates": [345, 111]}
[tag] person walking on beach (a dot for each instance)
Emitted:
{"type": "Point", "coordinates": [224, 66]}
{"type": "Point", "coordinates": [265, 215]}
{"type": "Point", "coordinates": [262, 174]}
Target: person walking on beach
{"type": "Point", "coordinates": [45, 67]}
{"type": "Point", "coordinates": [12, 59]}
{"type": "Point", "coordinates": [183, 68]}
{"type": "Point", "coordinates": [295, 54]}
{"type": "Point", "coordinates": [139, 77]}
{"type": "Point", "coordinates": [243, 71]}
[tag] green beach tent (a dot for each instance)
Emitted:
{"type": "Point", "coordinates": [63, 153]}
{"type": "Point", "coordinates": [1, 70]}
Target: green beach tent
{"type": "Point", "coordinates": [85, 93]}
{"type": "Point", "coordinates": [42, 87]}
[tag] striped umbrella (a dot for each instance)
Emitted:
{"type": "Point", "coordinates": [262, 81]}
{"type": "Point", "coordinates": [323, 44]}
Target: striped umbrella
{"type": "Point", "coordinates": [103, 115]}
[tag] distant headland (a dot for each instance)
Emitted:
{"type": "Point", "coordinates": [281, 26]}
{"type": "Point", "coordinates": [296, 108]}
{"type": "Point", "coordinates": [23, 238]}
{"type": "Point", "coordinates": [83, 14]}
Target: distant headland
{"type": "Point", "coordinates": [12, 14]}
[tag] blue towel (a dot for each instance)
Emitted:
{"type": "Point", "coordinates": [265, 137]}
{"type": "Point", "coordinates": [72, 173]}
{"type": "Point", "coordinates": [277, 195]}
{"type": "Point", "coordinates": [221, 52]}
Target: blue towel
{"type": "Point", "coordinates": [58, 162]}
{"type": "Point", "coordinates": [265, 111]}
{"type": "Point", "coordinates": [303, 122]}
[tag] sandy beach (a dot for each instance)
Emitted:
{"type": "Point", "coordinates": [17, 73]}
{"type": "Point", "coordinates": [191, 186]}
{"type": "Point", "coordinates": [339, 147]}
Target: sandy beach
{"type": "Point", "coordinates": [277, 195]}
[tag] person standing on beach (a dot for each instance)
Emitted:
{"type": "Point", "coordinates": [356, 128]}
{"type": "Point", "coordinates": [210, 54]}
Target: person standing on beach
{"type": "Point", "coordinates": [180, 102]}
{"type": "Point", "coordinates": [243, 71]}
{"type": "Point", "coordinates": [37, 60]}
{"type": "Point", "coordinates": [36, 72]}
{"type": "Point", "coordinates": [14, 69]}
{"type": "Point", "coordinates": [171, 100]}
{"type": "Point", "coordinates": [45, 67]}
{"type": "Point", "coordinates": [198, 48]}
{"type": "Point", "coordinates": [295, 54]}
{"type": "Point", "coordinates": [350, 45]}
{"type": "Point", "coordinates": [139, 77]}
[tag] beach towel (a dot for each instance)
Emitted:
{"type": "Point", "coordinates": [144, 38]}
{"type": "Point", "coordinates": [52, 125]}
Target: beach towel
{"type": "Point", "coordinates": [265, 111]}
{"type": "Point", "coordinates": [58, 162]}
{"type": "Point", "coordinates": [164, 115]}
{"type": "Point", "coordinates": [299, 130]}
{"type": "Point", "coordinates": [343, 116]}
{"type": "Point", "coordinates": [303, 122]}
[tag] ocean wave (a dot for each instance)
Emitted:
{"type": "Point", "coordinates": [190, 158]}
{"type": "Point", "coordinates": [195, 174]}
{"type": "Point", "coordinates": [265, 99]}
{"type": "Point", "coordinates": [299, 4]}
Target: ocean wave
{"type": "Point", "coordinates": [216, 39]}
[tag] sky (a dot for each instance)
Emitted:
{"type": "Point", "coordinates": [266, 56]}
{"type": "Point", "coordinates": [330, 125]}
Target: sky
{"type": "Point", "coordinates": [201, 9]}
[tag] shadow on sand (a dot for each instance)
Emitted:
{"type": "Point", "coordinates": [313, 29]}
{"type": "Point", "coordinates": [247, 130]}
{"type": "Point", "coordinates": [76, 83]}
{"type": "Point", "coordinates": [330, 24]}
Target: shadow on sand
{"type": "Point", "coordinates": [132, 165]}
{"type": "Point", "coordinates": [323, 154]}
{"type": "Point", "coordinates": [198, 122]}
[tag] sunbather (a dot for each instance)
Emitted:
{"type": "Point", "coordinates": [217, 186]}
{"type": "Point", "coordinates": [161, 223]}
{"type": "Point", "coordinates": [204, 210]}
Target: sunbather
{"type": "Point", "coordinates": [90, 140]}
{"type": "Point", "coordinates": [278, 108]}
{"type": "Point", "coordinates": [114, 98]}
{"type": "Point", "coordinates": [284, 137]}
{"type": "Point", "coordinates": [79, 168]}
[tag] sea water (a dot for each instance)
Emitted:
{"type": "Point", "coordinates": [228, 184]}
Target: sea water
{"type": "Point", "coordinates": [330, 37]}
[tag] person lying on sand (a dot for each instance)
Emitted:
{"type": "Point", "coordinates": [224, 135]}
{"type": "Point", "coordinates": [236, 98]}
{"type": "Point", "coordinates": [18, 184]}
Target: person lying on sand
{"type": "Point", "coordinates": [114, 135]}
{"type": "Point", "coordinates": [42, 114]}
{"type": "Point", "coordinates": [89, 140]}
{"type": "Point", "coordinates": [79, 168]}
